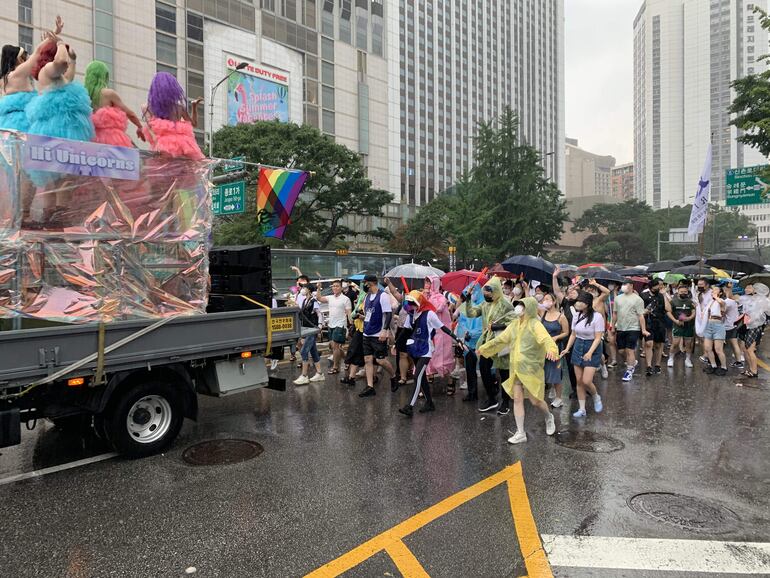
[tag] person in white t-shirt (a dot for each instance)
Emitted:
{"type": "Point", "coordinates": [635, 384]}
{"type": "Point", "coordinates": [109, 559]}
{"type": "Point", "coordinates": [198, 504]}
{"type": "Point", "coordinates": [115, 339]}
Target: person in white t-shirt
{"type": "Point", "coordinates": [340, 308]}
{"type": "Point", "coordinates": [732, 314]}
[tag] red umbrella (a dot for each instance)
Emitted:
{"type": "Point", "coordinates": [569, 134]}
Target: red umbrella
{"type": "Point", "coordinates": [499, 271]}
{"type": "Point", "coordinates": [456, 281]}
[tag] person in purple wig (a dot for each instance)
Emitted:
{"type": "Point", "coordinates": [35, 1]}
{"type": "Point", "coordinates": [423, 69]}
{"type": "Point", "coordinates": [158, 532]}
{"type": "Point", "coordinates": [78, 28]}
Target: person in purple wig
{"type": "Point", "coordinates": [169, 126]}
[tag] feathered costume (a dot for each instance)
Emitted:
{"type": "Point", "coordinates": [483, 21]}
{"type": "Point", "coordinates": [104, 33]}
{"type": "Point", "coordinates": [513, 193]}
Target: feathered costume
{"type": "Point", "coordinates": [13, 110]}
{"type": "Point", "coordinates": [110, 124]}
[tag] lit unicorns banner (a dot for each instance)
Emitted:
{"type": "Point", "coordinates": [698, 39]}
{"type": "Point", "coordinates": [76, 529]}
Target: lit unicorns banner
{"type": "Point", "coordinates": [277, 192]}
{"type": "Point", "coordinates": [257, 93]}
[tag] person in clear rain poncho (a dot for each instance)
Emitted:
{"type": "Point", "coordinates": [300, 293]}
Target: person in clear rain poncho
{"type": "Point", "coordinates": [495, 312]}
{"type": "Point", "coordinates": [530, 345]}
{"type": "Point", "coordinates": [756, 309]}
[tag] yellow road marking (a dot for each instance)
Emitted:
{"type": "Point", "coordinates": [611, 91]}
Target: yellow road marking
{"type": "Point", "coordinates": [763, 365]}
{"type": "Point", "coordinates": [407, 564]}
{"type": "Point", "coordinates": [526, 529]}
{"type": "Point", "coordinates": [392, 540]}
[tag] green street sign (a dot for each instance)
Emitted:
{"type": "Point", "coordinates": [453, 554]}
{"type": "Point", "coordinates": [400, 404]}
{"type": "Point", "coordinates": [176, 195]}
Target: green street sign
{"type": "Point", "coordinates": [233, 165]}
{"type": "Point", "coordinates": [744, 186]}
{"type": "Point", "coordinates": [229, 199]}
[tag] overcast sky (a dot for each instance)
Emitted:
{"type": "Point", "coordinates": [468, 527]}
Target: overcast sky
{"type": "Point", "coordinates": [599, 75]}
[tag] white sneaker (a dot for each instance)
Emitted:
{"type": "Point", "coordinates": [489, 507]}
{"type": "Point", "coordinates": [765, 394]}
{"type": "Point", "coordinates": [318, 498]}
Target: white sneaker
{"type": "Point", "coordinates": [670, 362]}
{"type": "Point", "coordinates": [464, 385]}
{"type": "Point", "coordinates": [557, 402]}
{"type": "Point", "coordinates": [688, 361]}
{"type": "Point", "coordinates": [318, 377]}
{"type": "Point", "coordinates": [605, 374]}
{"type": "Point", "coordinates": [361, 373]}
{"type": "Point", "coordinates": [330, 358]}
{"type": "Point", "coordinates": [518, 438]}
{"type": "Point", "coordinates": [455, 374]}
{"type": "Point", "coordinates": [552, 393]}
{"type": "Point", "coordinates": [274, 365]}
{"type": "Point", "coordinates": [550, 425]}
{"type": "Point", "coordinates": [302, 380]}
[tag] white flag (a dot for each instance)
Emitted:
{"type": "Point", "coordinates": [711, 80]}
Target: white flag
{"type": "Point", "coordinates": [700, 206]}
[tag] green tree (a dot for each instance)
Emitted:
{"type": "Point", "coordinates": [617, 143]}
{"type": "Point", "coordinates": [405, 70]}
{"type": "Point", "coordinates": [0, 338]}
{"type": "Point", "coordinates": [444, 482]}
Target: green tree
{"type": "Point", "coordinates": [751, 105]}
{"type": "Point", "coordinates": [338, 185]}
{"type": "Point", "coordinates": [504, 206]}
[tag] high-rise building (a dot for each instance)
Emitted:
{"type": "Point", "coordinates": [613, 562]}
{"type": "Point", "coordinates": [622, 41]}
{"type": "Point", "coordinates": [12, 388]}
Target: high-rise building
{"type": "Point", "coordinates": [588, 174]}
{"type": "Point", "coordinates": [459, 63]}
{"type": "Point", "coordinates": [686, 54]}
{"type": "Point", "coordinates": [623, 181]}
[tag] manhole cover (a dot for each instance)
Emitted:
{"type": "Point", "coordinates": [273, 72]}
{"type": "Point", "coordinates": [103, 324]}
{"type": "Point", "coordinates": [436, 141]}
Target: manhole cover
{"type": "Point", "coordinates": [685, 512]}
{"type": "Point", "coordinates": [221, 452]}
{"type": "Point", "coordinates": [587, 441]}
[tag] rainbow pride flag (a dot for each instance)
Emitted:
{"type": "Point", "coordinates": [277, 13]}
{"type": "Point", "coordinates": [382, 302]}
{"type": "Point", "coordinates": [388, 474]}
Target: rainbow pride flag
{"type": "Point", "coordinates": [277, 192]}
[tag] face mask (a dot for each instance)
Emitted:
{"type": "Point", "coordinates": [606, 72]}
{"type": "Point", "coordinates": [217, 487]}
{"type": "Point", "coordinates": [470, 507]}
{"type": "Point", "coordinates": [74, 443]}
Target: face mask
{"type": "Point", "coordinates": [517, 292]}
{"type": "Point", "coordinates": [580, 306]}
{"type": "Point", "coordinates": [345, 286]}
{"type": "Point", "coordinates": [539, 297]}
{"type": "Point", "coordinates": [611, 286]}
{"type": "Point", "coordinates": [305, 291]}
{"type": "Point", "coordinates": [701, 289]}
{"type": "Point", "coordinates": [518, 311]}
{"type": "Point", "coordinates": [408, 307]}
{"type": "Point", "coordinates": [548, 305]}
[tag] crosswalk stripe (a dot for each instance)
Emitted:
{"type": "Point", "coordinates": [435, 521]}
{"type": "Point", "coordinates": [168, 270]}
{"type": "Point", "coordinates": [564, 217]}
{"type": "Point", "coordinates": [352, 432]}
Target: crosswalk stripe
{"type": "Point", "coordinates": [654, 554]}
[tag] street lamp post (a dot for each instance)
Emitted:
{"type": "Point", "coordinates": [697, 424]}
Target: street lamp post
{"type": "Point", "coordinates": [213, 92]}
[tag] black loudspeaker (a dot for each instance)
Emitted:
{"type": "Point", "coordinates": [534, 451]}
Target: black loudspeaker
{"type": "Point", "coordinates": [257, 283]}
{"type": "Point", "coordinates": [219, 302]}
{"type": "Point", "coordinates": [239, 259]}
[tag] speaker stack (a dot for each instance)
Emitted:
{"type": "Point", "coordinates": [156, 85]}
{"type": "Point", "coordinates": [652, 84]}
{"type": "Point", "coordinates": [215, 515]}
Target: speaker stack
{"type": "Point", "coordinates": [240, 270]}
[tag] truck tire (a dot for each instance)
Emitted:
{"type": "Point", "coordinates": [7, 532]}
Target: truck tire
{"type": "Point", "coordinates": [144, 419]}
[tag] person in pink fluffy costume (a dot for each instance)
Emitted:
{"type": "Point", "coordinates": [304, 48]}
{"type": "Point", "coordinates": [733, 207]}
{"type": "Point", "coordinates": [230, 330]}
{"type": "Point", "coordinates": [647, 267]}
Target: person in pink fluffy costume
{"type": "Point", "coordinates": [169, 127]}
{"type": "Point", "coordinates": [110, 115]}
{"type": "Point", "coordinates": [443, 360]}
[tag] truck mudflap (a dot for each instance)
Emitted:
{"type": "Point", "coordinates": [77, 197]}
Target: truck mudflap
{"type": "Point", "coordinates": [10, 427]}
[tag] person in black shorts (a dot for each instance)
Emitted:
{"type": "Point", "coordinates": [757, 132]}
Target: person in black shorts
{"type": "Point", "coordinates": [378, 314]}
{"type": "Point", "coordinates": [655, 320]}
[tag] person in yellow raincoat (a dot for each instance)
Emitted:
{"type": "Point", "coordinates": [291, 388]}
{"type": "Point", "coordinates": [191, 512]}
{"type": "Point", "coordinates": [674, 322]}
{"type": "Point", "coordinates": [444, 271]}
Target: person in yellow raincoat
{"type": "Point", "coordinates": [530, 345]}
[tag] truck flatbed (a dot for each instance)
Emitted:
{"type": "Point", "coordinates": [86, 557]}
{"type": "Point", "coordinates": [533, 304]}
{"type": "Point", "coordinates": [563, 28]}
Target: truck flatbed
{"type": "Point", "coordinates": [34, 354]}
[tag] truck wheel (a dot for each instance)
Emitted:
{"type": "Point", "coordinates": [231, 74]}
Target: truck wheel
{"type": "Point", "coordinates": [144, 419]}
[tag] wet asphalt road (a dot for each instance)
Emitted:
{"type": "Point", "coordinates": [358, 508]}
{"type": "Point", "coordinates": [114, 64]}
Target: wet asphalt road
{"type": "Point", "coordinates": [338, 470]}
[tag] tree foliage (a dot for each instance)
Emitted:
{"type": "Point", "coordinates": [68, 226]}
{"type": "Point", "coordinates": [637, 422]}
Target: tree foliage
{"type": "Point", "coordinates": [628, 232]}
{"type": "Point", "coordinates": [505, 205]}
{"type": "Point", "coordinates": [338, 187]}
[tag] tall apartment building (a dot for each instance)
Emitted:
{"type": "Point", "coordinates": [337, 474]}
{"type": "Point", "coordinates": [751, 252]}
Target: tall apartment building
{"type": "Point", "coordinates": [588, 174]}
{"type": "Point", "coordinates": [458, 63]}
{"type": "Point", "coordinates": [623, 181]}
{"type": "Point", "coordinates": [686, 54]}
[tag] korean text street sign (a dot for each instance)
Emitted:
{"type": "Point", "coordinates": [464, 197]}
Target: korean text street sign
{"type": "Point", "coordinates": [229, 198]}
{"type": "Point", "coordinates": [744, 186]}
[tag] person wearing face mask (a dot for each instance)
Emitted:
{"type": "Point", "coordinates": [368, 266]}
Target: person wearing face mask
{"type": "Point", "coordinates": [530, 345]}
{"type": "Point", "coordinates": [425, 325]}
{"type": "Point", "coordinates": [600, 294]}
{"type": "Point", "coordinates": [714, 333]}
{"type": "Point", "coordinates": [681, 311]}
{"type": "Point", "coordinates": [310, 313]}
{"type": "Point", "coordinates": [496, 313]}
{"type": "Point", "coordinates": [584, 343]}
{"type": "Point", "coordinates": [442, 360]}
{"type": "Point", "coordinates": [469, 330]}
{"type": "Point", "coordinates": [378, 313]}
{"type": "Point", "coordinates": [555, 323]}
{"type": "Point", "coordinates": [756, 309]}
{"type": "Point", "coordinates": [702, 302]}
{"type": "Point", "coordinates": [732, 314]}
{"type": "Point", "coordinates": [655, 307]}
{"type": "Point", "coordinates": [566, 302]}
{"type": "Point", "coordinates": [628, 320]}
{"type": "Point", "coordinates": [611, 344]}
{"type": "Point", "coordinates": [508, 290]}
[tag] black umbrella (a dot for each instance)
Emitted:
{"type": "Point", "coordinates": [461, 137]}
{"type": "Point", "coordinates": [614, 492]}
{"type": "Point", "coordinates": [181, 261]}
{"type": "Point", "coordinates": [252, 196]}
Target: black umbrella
{"type": "Point", "coordinates": [632, 271]}
{"type": "Point", "coordinates": [533, 268]}
{"type": "Point", "coordinates": [605, 277]}
{"type": "Point", "coordinates": [690, 260]}
{"type": "Point", "coordinates": [663, 266]}
{"type": "Point", "coordinates": [734, 262]}
{"type": "Point", "coordinates": [699, 269]}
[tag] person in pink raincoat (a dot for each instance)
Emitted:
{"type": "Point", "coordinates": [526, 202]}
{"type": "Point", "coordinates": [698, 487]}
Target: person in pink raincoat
{"type": "Point", "coordinates": [442, 363]}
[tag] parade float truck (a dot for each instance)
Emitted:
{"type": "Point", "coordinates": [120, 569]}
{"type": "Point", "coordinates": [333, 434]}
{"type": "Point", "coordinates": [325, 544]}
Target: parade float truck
{"type": "Point", "coordinates": [104, 289]}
